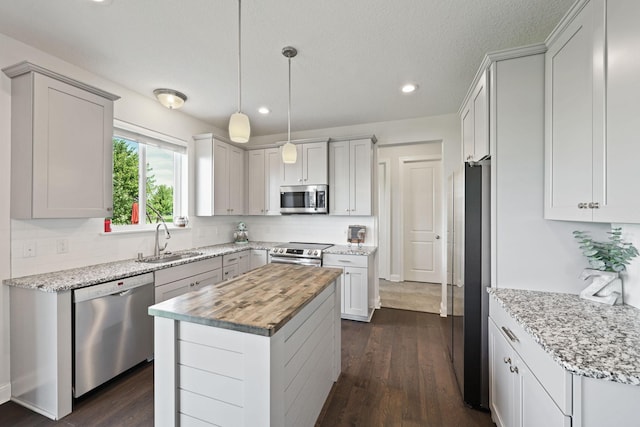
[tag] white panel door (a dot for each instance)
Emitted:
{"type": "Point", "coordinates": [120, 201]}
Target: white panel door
{"type": "Point", "coordinates": [256, 198]}
{"type": "Point", "coordinates": [272, 173]}
{"type": "Point", "coordinates": [220, 178]}
{"type": "Point", "coordinates": [315, 169]}
{"type": "Point", "coordinates": [360, 176]}
{"type": "Point", "coordinates": [569, 121]}
{"type": "Point", "coordinates": [421, 189]}
{"type": "Point", "coordinates": [339, 178]}
{"type": "Point", "coordinates": [235, 181]}
{"type": "Point", "coordinates": [292, 172]}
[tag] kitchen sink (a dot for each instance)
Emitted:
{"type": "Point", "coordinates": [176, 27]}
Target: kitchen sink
{"type": "Point", "coordinates": [167, 257]}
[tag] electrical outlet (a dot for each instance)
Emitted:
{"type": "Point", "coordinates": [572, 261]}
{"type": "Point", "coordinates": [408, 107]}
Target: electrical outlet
{"type": "Point", "coordinates": [62, 246]}
{"type": "Point", "coordinates": [29, 249]}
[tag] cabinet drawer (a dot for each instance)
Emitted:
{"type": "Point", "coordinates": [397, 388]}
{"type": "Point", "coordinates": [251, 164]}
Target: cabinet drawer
{"type": "Point", "coordinates": [171, 274]}
{"type": "Point", "coordinates": [330, 260]}
{"type": "Point", "coordinates": [231, 259]}
{"type": "Point", "coordinates": [188, 284]}
{"type": "Point", "coordinates": [555, 379]}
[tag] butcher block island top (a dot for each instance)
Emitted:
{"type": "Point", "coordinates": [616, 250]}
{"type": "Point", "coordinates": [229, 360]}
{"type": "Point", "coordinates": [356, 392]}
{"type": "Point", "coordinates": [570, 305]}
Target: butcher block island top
{"type": "Point", "coordinates": [259, 302]}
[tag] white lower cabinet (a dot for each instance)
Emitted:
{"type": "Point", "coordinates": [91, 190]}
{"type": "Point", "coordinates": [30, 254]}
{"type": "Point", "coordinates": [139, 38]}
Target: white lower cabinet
{"type": "Point", "coordinates": [258, 258]}
{"type": "Point", "coordinates": [173, 281]}
{"type": "Point", "coordinates": [358, 286]}
{"type": "Point", "coordinates": [517, 397]}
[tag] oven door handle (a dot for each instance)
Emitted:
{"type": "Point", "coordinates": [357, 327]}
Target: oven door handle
{"type": "Point", "coordinates": [298, 261]}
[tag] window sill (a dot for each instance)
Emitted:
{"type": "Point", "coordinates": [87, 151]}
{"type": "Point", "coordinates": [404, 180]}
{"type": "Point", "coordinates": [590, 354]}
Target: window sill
{"type": "Point", "coordinates": [148, 229]}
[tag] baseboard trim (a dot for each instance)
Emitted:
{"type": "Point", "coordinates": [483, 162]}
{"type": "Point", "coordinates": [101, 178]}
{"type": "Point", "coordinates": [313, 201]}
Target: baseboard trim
{"type": "Point", "coordinates": [34, 408]}
{"type": "Point", "coordinates": [5, 392]}
{"type": "Point", "coordinates": [443, 310]}
{"type": "Point", "coordinates": [394, 278]}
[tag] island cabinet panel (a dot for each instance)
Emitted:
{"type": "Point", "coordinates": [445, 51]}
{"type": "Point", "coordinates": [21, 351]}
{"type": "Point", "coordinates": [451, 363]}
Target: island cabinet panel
{"type": "Point", "coordinates": [210, 375]}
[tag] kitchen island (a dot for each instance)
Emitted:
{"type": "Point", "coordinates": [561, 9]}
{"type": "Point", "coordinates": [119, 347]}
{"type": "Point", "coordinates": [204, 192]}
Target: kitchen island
{"type": "Point", "coordinates": [260, 350]}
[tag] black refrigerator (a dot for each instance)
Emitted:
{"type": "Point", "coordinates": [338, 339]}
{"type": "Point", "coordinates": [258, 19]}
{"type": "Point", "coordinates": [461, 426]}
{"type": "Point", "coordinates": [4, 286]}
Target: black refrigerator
{"type": "Point", "coordinates": [469, 300]}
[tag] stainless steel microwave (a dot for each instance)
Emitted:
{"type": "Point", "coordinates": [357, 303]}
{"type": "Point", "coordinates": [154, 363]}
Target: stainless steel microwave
{"type": "Point", "coordinates": [304, 199]}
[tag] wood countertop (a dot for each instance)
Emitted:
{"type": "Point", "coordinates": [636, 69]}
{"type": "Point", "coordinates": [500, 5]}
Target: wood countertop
{"type": "Point", "coordinates": [259, 302]}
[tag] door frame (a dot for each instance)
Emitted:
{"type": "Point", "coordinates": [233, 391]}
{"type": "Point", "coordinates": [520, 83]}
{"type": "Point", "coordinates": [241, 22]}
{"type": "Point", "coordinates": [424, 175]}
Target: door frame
{"type": "Point", "coordinates": [384, 219]}
{"type": "Point", "coordinates": [411, 159]}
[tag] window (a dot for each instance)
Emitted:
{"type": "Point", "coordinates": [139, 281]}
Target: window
{"type": "Point", "coordinates": [149, 176]}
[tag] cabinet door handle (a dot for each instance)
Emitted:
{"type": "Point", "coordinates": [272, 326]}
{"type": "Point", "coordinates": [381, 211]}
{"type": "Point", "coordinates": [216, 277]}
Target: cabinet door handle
{"type": "Point", "coordinates": [109, 209]}
{"type": "Point", "coordinates": [344, 260]}
{"type": "Point", "coordinates": [582, 206]}
{"type": "Point", "coordinates": [513, 369]}
{"type": "Point", "coordinates": [191, 285]}
{"type": "Point", "coordinates": [594, 205]}
{"type": "Point", "coordinates": [346, 272]}
{"type": "Point", "coordinates": [346, 210]}
{"type": "Point", "coordinates": [299, 179]}
{"type": "Point", "coordinates": [510, 334]}
{"type": "Point", "coordinates": [507, 360]}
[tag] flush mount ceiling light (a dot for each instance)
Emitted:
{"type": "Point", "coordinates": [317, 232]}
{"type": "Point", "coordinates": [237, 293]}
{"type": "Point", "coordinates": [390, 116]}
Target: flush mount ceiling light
{"type": "Point", "coordinates": [409, 87]}
{"type": "Point", "coordinates": [289, 151]}
{"type": "Point", "coordinates": [172, 99]}
{"type": "Point", "coordinates": [263, 110]}
{"type": "Point", "coordinates": [239, 127]}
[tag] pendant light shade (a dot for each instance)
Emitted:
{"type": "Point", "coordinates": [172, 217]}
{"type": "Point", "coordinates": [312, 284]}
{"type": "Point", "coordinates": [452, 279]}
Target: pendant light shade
{"type": "Point", "coordinates": [289, 150]}
{"type": "Point", "coordinates": [239, 127]}
{"type": "Point", "coordinates": [289, 153]}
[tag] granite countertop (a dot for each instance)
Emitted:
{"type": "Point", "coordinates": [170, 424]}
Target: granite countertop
{"type": "Point", "coordinates": [259, 302]}
{"type": "Point", "coordinates": [351, 250]}
{"type": "Point", "coordinates": [64, 280]}
{"type": "Point", "coordinates": [586, 338]}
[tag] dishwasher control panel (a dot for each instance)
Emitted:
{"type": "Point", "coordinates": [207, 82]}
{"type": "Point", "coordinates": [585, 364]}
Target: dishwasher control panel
{"type": "Point", "coordinates": [113, 287]}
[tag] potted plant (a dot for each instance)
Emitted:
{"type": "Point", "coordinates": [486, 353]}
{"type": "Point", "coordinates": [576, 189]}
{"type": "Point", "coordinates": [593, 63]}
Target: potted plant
{"type": "Point", "coordinates": [607, 259]}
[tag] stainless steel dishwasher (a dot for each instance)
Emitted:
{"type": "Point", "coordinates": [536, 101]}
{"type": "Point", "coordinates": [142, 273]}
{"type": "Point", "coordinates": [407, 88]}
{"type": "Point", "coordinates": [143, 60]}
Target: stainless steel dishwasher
{"type": "Point", "coordinates": [112, 329]}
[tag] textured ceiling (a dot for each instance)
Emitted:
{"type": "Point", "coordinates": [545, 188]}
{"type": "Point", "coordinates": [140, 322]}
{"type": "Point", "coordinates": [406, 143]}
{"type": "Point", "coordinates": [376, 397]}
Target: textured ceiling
{"type": "Point", "coordinates": [353, 55]}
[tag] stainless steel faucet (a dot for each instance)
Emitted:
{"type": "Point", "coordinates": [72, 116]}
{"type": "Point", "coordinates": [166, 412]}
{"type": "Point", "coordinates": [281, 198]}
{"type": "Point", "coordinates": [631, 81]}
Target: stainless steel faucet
{"type": "Point", "coordinates": [157, 249]}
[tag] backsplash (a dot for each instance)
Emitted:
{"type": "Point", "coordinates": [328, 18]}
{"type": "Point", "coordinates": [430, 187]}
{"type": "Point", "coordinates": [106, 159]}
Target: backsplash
{"type": "Point", "coordinates": [59, 244]}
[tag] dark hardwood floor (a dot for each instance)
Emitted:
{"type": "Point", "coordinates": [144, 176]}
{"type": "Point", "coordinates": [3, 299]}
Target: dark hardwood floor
{"type": "Point", "coordinates": [395, 372]}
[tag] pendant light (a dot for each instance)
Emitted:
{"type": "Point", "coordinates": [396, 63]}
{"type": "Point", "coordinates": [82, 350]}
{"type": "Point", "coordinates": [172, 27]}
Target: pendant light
{"type": "Point", "coordinates": [239, 127]}
{"type": "Point", "coordinates": [289, 151]}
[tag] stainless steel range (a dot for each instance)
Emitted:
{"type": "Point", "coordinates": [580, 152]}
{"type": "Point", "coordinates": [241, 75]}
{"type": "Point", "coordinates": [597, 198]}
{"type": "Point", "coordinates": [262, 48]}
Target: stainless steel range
{"type": "Point", "coordinates": [298, 253]}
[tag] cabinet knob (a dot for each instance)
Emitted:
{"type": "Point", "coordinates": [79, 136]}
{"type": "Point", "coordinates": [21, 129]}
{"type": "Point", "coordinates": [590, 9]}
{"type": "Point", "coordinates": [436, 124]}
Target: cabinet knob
{"type": "Point", "coordinates": [437, 237]}
{"type": "Point", "coordinates": [594, 205]}
{"type": "Point", "coordinates": [582, 206]}
{"type": "Point", "coordinates": [109, 209]}
{"type": "Point", "coordinates": [513, 369]}
{"type": "Point", "coordinates": [299, 179]}
{"type": "Point", "coordinates": [191, 285]}
{"type": "Point", "coordinates": [507, 360]}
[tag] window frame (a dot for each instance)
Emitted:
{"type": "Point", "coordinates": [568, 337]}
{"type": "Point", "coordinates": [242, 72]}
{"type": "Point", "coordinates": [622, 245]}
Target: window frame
{"type": "Point", "coordinates": [146, 137]}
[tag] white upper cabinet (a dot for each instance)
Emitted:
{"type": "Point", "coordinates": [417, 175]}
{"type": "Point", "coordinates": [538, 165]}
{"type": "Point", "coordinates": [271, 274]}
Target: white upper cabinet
{"type": "Point", "coordinates": [351, 177]}
{"type": "Point", "coordinates": [61, 146]}
{"type": "Point", "coordinates": [219, 170]}
{"type": "Point", "coordinates": [591, 93]}
{"type": "Point", "coordinates": [475, 122]}
{"type": "Point", "coordinates": [264, 182]}
{"type": "Point", "coordinates": [310, 167]}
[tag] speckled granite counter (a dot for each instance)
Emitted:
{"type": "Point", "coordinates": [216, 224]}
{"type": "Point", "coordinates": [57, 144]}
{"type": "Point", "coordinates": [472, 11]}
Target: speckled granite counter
{"type": "Point", "coordinates": [259, 302]}
{"type": "Point", "coordinates": [351, 250]}
{"type": "Point", "coordinates": [74, 278]}
{"type": "Point", "coordinates": [586, 338]}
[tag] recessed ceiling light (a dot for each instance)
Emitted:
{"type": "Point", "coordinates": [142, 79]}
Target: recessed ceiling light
{"type": "Point", "coordinates": [409, 87]}
{"type": "Point", "coordinates": [105, 2]}
{"type": "Point", "coordinates": [263, 110]}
